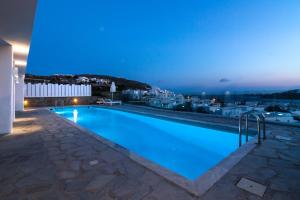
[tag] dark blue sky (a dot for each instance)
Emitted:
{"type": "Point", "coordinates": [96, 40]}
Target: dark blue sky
{"type": "Point", "coordinates": [183, 45]}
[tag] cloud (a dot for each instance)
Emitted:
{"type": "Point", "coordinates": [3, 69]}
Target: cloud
{"type": "Point", "coordinates": [224, 80]}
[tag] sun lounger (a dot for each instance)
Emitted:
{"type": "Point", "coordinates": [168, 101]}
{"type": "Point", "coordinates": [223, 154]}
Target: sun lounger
{"type": "Point", "coordinates": [108, 102]}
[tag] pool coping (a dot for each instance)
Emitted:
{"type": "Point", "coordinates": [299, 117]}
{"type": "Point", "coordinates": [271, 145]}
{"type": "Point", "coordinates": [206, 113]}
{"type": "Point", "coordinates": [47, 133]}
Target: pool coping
{"type": "Point", "coordinates": [197, 187]}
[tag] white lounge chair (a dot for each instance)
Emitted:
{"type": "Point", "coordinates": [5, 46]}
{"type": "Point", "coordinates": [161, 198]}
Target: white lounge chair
{"type": "Point", "coordinates": [100, 101]}
{"type": "Point", "coordinates": [108, 102]}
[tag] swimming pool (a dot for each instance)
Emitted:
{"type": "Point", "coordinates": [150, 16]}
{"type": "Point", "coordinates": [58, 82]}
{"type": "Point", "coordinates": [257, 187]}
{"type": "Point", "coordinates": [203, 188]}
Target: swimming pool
{"type": "Point", "coordinates": [185, 149]}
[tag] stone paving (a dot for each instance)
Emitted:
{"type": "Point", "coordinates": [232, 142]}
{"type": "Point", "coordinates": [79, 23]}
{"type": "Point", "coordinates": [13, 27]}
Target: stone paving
{"type": "Point", "coordinates": [48, 158]}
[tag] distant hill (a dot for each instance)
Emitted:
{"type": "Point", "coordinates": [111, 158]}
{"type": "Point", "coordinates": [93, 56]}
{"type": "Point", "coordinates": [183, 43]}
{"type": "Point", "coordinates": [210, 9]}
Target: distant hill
{"type": "Point", "coordinates": [290, 94]}
{"type": "Point", "coordinates": [122, 83]}
{"type": "Point", "coordinates": [98, 82]}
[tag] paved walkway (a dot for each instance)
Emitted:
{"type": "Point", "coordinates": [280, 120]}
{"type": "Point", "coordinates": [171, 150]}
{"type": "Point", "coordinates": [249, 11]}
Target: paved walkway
{"type": "Point", "coordinates": [47, 158]}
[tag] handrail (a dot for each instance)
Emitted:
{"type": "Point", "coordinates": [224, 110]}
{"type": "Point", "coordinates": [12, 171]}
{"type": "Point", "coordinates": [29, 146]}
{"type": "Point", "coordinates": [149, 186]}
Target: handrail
{"type": "Point", "coordinates": [260, 118]}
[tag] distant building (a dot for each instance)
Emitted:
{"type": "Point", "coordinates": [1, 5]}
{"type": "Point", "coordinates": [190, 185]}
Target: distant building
{"type": "Point", "coordinates": [164, 98]}
{"type": "Point", "coordinates": [197, 102]}
{"type": "Point", "coordinates": [179, 99]}
{"type": "Point", "coordinates": [82, 79]}
{"type": "Point", "coordinates": [195, 99]}
{"type": "Point", "coordinates": [132, 94]}
{"type": "Point", "coordinates": [103, 81]}
{"type": "Point", "coordinates": [64, 75]}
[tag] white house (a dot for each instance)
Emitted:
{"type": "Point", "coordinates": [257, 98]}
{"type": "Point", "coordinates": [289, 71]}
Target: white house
{"type": "Point", "coordinates": [82, 79]}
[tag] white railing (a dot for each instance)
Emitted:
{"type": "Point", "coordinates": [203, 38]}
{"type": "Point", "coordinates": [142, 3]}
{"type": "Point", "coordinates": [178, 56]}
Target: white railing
{"type": "Point", "coordinates": [56, 90]}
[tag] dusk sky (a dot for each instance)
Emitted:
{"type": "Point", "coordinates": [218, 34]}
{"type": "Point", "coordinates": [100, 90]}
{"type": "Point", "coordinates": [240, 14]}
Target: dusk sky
{"type": "Point", "coordinates": [200, 45]}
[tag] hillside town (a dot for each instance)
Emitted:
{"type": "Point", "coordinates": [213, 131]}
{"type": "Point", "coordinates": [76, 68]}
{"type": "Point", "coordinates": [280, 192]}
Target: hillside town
{"type": "Point", "coordinates": [279, 110]}
{"type": "Point", "coordinates": [285, 108]}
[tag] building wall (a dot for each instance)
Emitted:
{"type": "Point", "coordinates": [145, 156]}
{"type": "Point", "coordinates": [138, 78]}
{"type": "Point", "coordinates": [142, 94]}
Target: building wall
{"type": "Point", "coordinates": [6, 88]}
{"type": "Point", "coordinates": [58, 101]}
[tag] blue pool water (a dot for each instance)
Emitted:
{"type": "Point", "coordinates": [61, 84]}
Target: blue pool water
{"type": "Point", "coordinates": [184, 149]}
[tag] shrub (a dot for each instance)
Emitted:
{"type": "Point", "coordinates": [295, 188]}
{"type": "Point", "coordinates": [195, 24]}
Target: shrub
{"type": "Point", "coordinates": [275, 108]}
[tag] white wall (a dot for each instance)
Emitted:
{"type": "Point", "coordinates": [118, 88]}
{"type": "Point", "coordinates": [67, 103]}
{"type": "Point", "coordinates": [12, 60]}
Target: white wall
{"type": "Point", "coordinates": [13, 106]}
{"type": "Point", "coordinates": [57, 90]}
{"type": "Point", "coordinates": [6, 88]}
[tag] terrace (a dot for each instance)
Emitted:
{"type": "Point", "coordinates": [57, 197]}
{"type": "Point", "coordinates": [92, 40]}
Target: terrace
{"type": "Point", "coordinates": [45, 156]}
{"type": "Point", "coordinates": [49, 157]}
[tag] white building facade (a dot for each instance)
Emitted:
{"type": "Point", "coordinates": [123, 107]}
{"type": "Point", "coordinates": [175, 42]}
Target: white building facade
{"type": "Point", "coordinates": [16, 24]}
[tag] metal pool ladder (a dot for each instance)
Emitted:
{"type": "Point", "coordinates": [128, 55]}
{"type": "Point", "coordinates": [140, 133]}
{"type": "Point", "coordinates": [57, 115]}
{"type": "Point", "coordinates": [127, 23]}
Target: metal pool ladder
{"type": "Point", "coordinates": [260, 119]}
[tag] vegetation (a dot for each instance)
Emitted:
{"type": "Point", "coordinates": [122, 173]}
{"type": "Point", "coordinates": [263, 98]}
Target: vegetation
{"type": "Point", "coordinates": [202, 110]}
{"type": "Point", "coordinates": [183, 107]}
{"type": "Point", "coordinates": [296, 117]}
{"type": "Point", "coordinates": [121, 83]}
{"type": "Point", "coordinates": [275, 108]}
{"type": "Point", "coordinates": [291, 94]}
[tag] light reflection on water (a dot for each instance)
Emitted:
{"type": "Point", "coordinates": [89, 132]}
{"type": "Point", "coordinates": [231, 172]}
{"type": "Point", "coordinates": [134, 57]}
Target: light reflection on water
{"type": "Point", "coordinates": [75, 115]}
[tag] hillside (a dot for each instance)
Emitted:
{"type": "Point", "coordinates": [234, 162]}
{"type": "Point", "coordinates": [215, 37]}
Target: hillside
{"type": "Point", "coordinates": [291, 94]}
{"type": "Point", "coordinates": [98, 82]}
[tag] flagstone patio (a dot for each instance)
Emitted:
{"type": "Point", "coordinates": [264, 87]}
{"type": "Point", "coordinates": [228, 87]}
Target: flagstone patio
{"type": "Point", "coordinates": [48, 158]}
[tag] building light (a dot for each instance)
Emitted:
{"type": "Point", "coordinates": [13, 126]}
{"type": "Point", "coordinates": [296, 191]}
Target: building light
{"type": "Point", "coordinates": [20, 49]}
{"type": "Point", "coordinates": [20, 63]}
{"type": "Point", "coordinates": [25, 102]}
{"type": "Point", "coordinates": [75, 100]}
